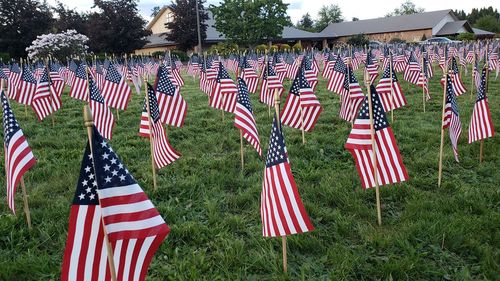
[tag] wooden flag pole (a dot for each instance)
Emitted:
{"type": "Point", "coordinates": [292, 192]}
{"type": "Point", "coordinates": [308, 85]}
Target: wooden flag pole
{"type": "Point", "coordinates": [241, 150]}
{"type": "Point", "coordinates": [374, 151]}
{"type": "Point", "coordinates": [151, 144]}
{"type": "Point", "coordinates": [89, 122]}
{"type": "Point", "coordinates": [481, 145]}
{"type": "Point", "coordinates": [25, 106]}
{"type": "Point", "coordinates": [392, 88]}
{"type": "Point", "coordinates": [440, 169]}
{"type": "Point", "coordinates": [50, 91]}
{"type": "Point", "coordinates": [472, 72]}
{"type": "Point", "coordinates": [423, 86]}
{"type": "Point", "coordinates": [283, 245]}
{"type": "Point", "coordinates": [26, 206]}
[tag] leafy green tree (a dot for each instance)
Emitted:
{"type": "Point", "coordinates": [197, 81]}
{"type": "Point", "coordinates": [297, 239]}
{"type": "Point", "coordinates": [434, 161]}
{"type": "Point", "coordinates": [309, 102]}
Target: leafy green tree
{"type": "Point", "coordinates": [69, 19]}
{"type": "Point", "coordinates": [358, 40]}
{"type": "Point", "coordinates": [306, 23]}
{"type": "Point", "coordinates": [251, 22]}
{"type": "Point", "coordinates": [20, 22]}
{"type": "Point", "coordinates": [489, 23]}
{"type": "Point", "coordinates": [155, 11]}
{"type": "Point", "coordinates": [116, 27]}
{"type": "Point", "coordinates": [466, 36]}
{"type": "Point", "coordinates": [183, 29]}
{"type": "Point", "coordinates": [476, 14]}
{"type": "Point", "coordinates": [328, 14]}
{"type": "Point", "coordinates": [406, 8]}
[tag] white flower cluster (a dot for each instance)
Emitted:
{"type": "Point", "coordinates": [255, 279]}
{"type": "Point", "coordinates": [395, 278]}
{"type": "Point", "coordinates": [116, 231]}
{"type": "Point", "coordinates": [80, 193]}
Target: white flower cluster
{"type": "Point", "coordinates": [63, 44]}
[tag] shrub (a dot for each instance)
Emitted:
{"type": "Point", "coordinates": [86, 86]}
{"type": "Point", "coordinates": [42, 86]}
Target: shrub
{"type": "Point", "coordinates": [58, 45]}
{"type": "Point", "coordinates": [223, 48]}
{"type": "Point", "coordinates": [284, 47]}
{"type": "Point", "coordinates": [274, 48]}
{"type": "Point", "coordinates": [297, 47]}
{"type": "Point", "coordinates": [358, 40]}
{"type": "Point", "coordinates": [423, 37]}
{"type": "Point", "coordinates": [262, 48]}
{"type": "Point", "coordinates": [181, 55]}
{"type": "Point", "coordinates": [396, 40]}
{"type": "Point", "coordinates": [5, 57]}
{"type": "Point", "coordinates": [466, 36]}
{"type": "Point", "coordinates": [158, 54]}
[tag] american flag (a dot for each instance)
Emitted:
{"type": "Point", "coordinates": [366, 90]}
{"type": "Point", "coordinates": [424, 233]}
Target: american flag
{"type": "Point", "coordinates": [476, 77]}
{"type": "Point", "coordinates": [458, 86]}
{"type": "Point", "coordinates": [412, 69]}
{"type": "Point", "coordinates": [399, 62]}
{"type": "Point", "coordinates": [4, 75]}
{"type": "Point", "coordinates": [328, 69]}
{"type": "Point", "coordinates": [243, 117]}
{"type": "Point", "coordinates": [371, 67]}
{"type": "Point", "coordinates": [115, 89]}
{"type": "Point", "coordinates": [18, 156]}
{"type": "Point", "coordinates": [225, 92]}
{"type": "Point", "coordinates": [451, 118]}
{"type": "Point", "coordinates": [270, 84]}
{"type": "Point", "coordinates": [302, 108]}
{"type": "Point", "coordinates": [351, 96]}
{"type": "Point", "coordinates": [27, 87]}
{"type": "Point", "coordinates": [444, 59]}
{"type": "Point", "coordinates": [171, 104]}
{"type": "Point", "coordinates": [336, 81]}
{"type": "Point", "coordinates": [423, 79]}
{"type": "Point", "coordinates": [291, 67]}
{"type": "Point", "coordinates": [391, 99]}
{"type": "Point", "coordinates": [481, 126]}
{"type": "Point", "coordinates": [163, 153]}
{"type": "Point", "coordinates": [390, 167]}
{"type": "Point", "coordinates": [279, 67]}
{"type": "Point", "coordinates": [70, 73]}
{"type": "Point", "coordinates": [45, 101]}
{"type": "Point", "coordinates": [249, 75]}
{"type": "Point", "coordinates": [79, 86]}
{"type": "Point", "coordinates": [14, 78]}
{"type": "Point", "coordinates": [208, 78]}
{"type": "Point", "coordinates": [281, 209]}
{"type": "Point", "coordinates": [309, 72]}
{"type": "Point", "coordinates": [109, 201]}
{"type": "Point", "coordinates": [102, 115]}
{"type": "Point", "coordinates": [56, 79]}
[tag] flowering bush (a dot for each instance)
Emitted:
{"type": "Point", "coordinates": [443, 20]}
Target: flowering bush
{"type": "Point", "coordinates": [59, 45]}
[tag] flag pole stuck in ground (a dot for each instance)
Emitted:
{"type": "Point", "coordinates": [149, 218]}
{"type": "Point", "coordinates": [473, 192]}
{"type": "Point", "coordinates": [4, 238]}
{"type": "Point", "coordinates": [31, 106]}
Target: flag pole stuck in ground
{"type": "Point", "coordinates": [441, 145]}
{"type": "Point", "coordinates": [148, 110]}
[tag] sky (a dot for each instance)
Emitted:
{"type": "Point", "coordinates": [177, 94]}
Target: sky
{"type": "Point", "coordinates": [361, 9]}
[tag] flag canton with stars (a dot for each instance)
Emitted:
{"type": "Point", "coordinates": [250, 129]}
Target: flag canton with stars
{"type": "Point", "coordinates": [276, 153]}
{"type": "Point", "coordinates": [244, 63]}
{"type": "Point", "coordinates": [153, 105]}
{"type": "Point", "coordinates": [222, 73]}
{"type": "Point", "coordinates": [110, 170]}
{"type": "Point", "coordinates": [352, 78]}
{"type": "Point", "coordinates": [2, 74]}
{"type": "Point", "coordinates": [94, 92]}
{"type": "Point", "coordinates": [27, 76]}
{"type": "Point", "coordinates": [299, 82]}
{"type": "Point", "coordinates": [164, 84]}
{"type": "Point", "coordinates": [54, 67]}
{"type": "Point", "coordinates": [15, 68]}
{"type": "Point", "coordinates": [306, 63]}
{"type": "Point", "coordinates": [450, 95]}
{"type": "Point", "coordinates": [339, 65]}
{"type": "Point", "coordinates": [424, 67]}
{"type": "Point", "coordinates": [243, 98]}
{"type": "Point", "coordinates": [481, 92]}
{"type": "Point", "coordinates": [80, 72]}
{"type": "Point", "coordinates": [270, 71]}
{"type": "Point", "coordinates": [379, 119]}
{"type": "Point", "coordinates": [112, 75]}
{"type": "Point", "coordinates": [45, 77]}
{"type": "Point", "coordinates": [86, 188]}
{"type": "Point", "coordinates": [454, 66]}
{"type": "Point", "coordinates": [369, 60]}
{"type": "Point", "coordinates": [412, 58]}
{"type": "Point", "coordinates": [10, 125]}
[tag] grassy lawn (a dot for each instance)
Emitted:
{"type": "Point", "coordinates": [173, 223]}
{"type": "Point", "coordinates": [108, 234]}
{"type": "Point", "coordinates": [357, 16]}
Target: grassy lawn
{"type": "Point", "coordinates": [213, 208]}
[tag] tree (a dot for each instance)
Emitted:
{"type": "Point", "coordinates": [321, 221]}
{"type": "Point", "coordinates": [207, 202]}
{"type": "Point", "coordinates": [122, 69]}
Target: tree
{"type": "Point", "coordinates": [59, 45]}
{"type": "Point", "coordinates": [251, 22]}
{"type": "Point", "coordinates": [306, 23]}
{"type": "Point", "coordinates": [20, 22]}
{"type": "Point", "coordinates": [489, 23]}
{"type": "Point", "coordinates": [183, 28]}
{"type": "Point", "coordinates": [155, 11]}
{"type": "Point", "coordinates": [116, 27]}
{"type": "Point", "coordinates": [476, 14]}
{"type": "Point", "coordinates": [69, 19]}
{"type": "Point", "coordinates": [328, 14]}
{"type": "Point", "coordinates": [406, 8]}
{"type": "Point", "coordinates": [358, 40]}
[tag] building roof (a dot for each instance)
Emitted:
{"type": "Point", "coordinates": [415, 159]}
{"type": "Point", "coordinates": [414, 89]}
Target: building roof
{"type": "Point", "coordinates": [480, 32]}
{"type": "Point", "coordinates": [390, 24]}
{"type": "Point", "coordinates": [454, 27]}
{"type": "Point", "coordinates": [292, 33]}
{"type": "Point", "coordinates": [158, 40]}
{"type": "Point", "coordinates": [212, 34]}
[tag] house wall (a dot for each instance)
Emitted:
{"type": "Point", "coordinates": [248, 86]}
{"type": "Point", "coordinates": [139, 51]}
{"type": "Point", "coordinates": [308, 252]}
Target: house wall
{"type": "Point", "coordinates": [159, 25]}
{"type": "Point", "coordinates": [409, 36]}
{"type": "Point", "coordinates": [149, 51]}
{"type": "Point", "coordinates": [437, 27]}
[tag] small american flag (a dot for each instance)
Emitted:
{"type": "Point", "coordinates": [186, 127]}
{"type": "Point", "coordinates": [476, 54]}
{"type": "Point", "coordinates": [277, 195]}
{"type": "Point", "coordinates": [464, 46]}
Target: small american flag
{"type": "Point", "coordinates": [225, 92]}
{"type": "Point", "coordinates": [103, 117]}
{"type": "Point", "coordinates": [171, 104]}
{"type": "Point", "coordinates": [163, 153]}
{"type": "Point", "coordinates": [451, 118]}
{"type": "Point", "coordinates": [244, 119]}
{"type": "Point", "coordinates": [371, 67]}
{"type": "Point", "coordinates": [270, 84]}
{"type": "Point", "coordinates": [458, 86]}
{"type": "Point", "coordinates": [18, 156]}
{"type": "Point", "coordinates": [27, 87]}
{"type": "Point", "coordinates": [249, 75]}
{"type": "Point", "coordinates": [384, 87]}
{"type": "Point", "coordinates": [329, 64]}
{"type": "Point", "coordinates": [281, 209]}
{"type": "Point", "coordinates": [115, 89]}
{"type": "Point", "coordinates": [351, 96]}
{"type": "Point", "coordinates": [45, 101]}
{"type": "Point", "coordinates": [14, 78]}
{"type": "Point", "coordinates": [390, 167]}
{"type": "Point", "coordinates": [412, 70]}
{"type": "Point", "coordinates": [109, 200]}
{"type": "Point", "coordinates": [302, 108]}
{"type": "Point", "coordinates": [423, 79]}
{"type": "Point", "coordinates": [481, 126]}
{"type": "Point", "coordinates": [79, 86]}
{"type": "Point", "coordinates": [56, 79]}
{"type": "Point", "coordinates": [336, 80]}
{"type": "Point", "coordinates": [279, 67]}
{"type": "Point", "coordinates": [309, 72]}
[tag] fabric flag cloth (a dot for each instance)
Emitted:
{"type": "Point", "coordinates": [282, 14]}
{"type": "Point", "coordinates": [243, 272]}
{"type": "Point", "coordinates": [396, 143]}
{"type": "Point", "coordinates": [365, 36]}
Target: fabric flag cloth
{"type": "Point", "coordinates": [390, 167]}
{"type": "Point", "coordinates": [281, 209]}
{"type": "Point", "coordinates": [309, 73]}
{"type": "Point", "coordinates": [481, 125]}
{"type": "Point", "coordinates": [27, 87]}
{"type": "Point", "coordinates": [371, 67]}
{"type": "Point", "coordinates": [45, 101]}
{"type": "Point", "coordinates": [56, 80]}
{"type": "Point", "coordinates": [18, 156]}
{"type": "Point", "coordinates": [103, 117]}
{"type": "Point", "coordinates": [412, 70]}
{"type": "Point", "coordinates": [451, 118]}
{"type": "Point", "coordinates": [171, 104]}
{"type": "Point", "coordinates": [225, 92]}
{"type": "Point", "coordinates": [79, 85]}
{"type": "Point", "coordinates": [249, 75]}
{"type": "Point", "coordinates": [14, 79]}
{"type": "Point", "coordinates": [423, 79]}
{"type": "Point", "coordinates": [115, 89]}
{"type": "Point", "coordinates": [336, 80]}
{"type": "Point", "coordinates": [302, 108]}
{"type": "Point", "coordinates": [390, 92]}
{"type": "Point", "coordinates": [351, 97]}
{"type": "Point", "coordinates": [163, 153]}
{"type": "Point", "coordinates": [109, 200]}
{"type": "Point", "coordinates": [270, 84]}
{"type": "Point", "coordinates": [243, 117]}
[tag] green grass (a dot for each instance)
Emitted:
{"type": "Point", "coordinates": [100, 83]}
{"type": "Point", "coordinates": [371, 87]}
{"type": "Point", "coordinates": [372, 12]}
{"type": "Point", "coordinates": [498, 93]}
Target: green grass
{"type": "Point", "coordinates": [428, 233]}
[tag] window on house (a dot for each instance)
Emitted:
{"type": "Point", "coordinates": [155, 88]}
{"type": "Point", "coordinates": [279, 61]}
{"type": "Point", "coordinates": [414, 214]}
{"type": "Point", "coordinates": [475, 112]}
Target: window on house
{"type": "Point", "coordinates": [170, 17]}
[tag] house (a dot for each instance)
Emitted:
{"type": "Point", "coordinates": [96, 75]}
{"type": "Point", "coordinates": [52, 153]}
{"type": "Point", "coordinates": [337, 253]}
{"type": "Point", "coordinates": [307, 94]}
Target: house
{"type": "Point", "coordinates": [157, 41]}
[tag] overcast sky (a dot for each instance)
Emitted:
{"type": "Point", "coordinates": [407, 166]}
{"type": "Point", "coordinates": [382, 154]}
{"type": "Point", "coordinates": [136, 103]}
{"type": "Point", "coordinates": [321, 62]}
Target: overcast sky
{"type": "Point", "coordinates": [361, 9]}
